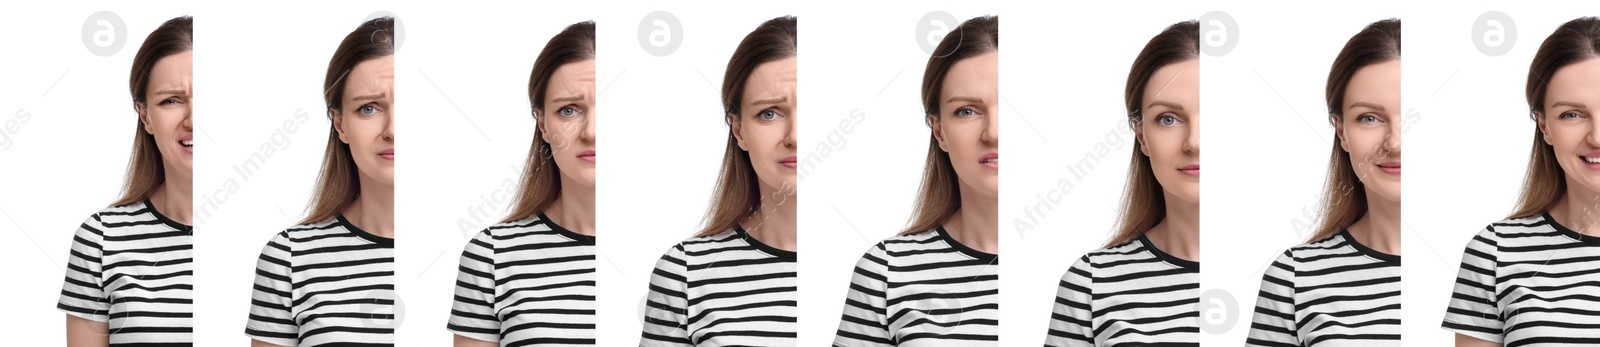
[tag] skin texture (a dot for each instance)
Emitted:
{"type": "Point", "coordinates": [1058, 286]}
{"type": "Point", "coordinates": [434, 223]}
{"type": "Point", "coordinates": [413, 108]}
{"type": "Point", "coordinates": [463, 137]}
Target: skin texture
{"type": "Point", "coordinates": [165, 115]}
{"type": "Point", "coordinates": [766, 130]}
{"type": "Point", "coordinates": [1169, 133]}
{"type": "Point", "coordinates": [1468, 341]}
{"type": "Point", "coordinates": [463, 341]}
{"type": "Point", "coordinates": [366, 122]}
{"type": "Point", "coordinates": [1370, 132]}
{"type": "Point", "coordinates": [568, 125]}
{"type": "Point", "coordinates": [968, 128]}
{"type": "Point", "coordinates": [1570, 127]}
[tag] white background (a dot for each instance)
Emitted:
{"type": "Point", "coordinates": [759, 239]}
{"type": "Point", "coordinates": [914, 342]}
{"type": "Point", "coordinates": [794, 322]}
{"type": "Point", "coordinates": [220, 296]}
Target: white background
{"type": "Point", "coordinates": [463, 71]}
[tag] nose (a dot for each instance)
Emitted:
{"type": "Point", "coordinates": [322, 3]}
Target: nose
{"type": "Point", "coordinates": [1191, 141]}
{"type": "Point", "coordinates": [388, 126]}
{"type": "Point", "coordinates": [587, 133]}
{"type": "Point", "coordinates": [1391, 140]}
{"type": "Point", "coordinates": [991, 127]}
{"type": "Point", "coordinates": [791, 136]}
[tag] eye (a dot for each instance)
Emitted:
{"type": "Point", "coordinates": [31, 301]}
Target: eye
{"type": "Point", "coordinates": [966, 112]}
{"type": "Point", "coordinates": [568, 111]}
{"type": "Point", "coordinates": [768, 115]}
{"type": "Point", "coordinates": [368, 110]}
{"type": "Point", "coordinates": [169, 101]}
{"type": "Point", "coordinates": [1167, 119]}
{"type": "Point", "coordinates": [1367, 118]}
{"type": "Point", "coordinates": [1570, 115]}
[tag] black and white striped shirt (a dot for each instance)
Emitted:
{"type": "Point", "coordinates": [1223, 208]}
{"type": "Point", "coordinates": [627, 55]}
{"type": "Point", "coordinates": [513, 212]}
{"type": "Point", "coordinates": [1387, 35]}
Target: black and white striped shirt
{"type": "Point", "coordinates": [325, 283]}
{"type": "Point", "coordinates": [922, 289]}
{"type": "Point", "coordinates": [133, 269]}
{"type": "Point", "coordinates": [1132, 293]}
{"type": "Point", "coordinates": [1330, 292]}
{"type": "Point", "coordinates": [727, 289]}
{"type": "Point", "coordinates": [527, 283]}
{"type": "Point", "coordinates": [1528, 282]}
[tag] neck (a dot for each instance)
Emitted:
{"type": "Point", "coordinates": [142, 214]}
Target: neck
{"type": "Point", "coordinates": [373, 210]}
{"type": "Point", "coordinates": [977, 223]}
{"type": "Point", "coordinates": [774, 222]}
{"type": "Point", "coordinates": [574, 209]}
{"type": "Point", "coordinates": [175, 197]}
{"type": "Point", "coordinates": [1379, 229]}
{"type": "Point", "coordinates": [1178, 234]}
{"type": "Point", "coordinates": [1579, 210]}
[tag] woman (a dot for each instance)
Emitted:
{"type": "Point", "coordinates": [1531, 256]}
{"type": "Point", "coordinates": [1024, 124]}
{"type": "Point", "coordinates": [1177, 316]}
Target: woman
{"type": "Point", "coordinates": [330, 279]}
{"type": "Point", "coordinates": [1530, 279]}
{"type": "Point", "coordinates": [733, 283]}
{"type": "Point", "coordinates": [131, 265]}
{"type": "Point", "coordinates": [1143, 287]}
{"type": "Point", "coordinates": [530, 280]}
{"type": "Point", "coordinates": [937, 283]}
{"type": "Point", "coordinates": [1342, 287]}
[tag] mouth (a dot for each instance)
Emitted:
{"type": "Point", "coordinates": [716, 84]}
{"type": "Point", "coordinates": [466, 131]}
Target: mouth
{"type": "Point", "coordinates": [990, 160]}
{"type": "Point", "coordinates": [789, 162]}
{"type": "Point", "coordinates": [187, 141]}
{"type": "Point", "coordinates": [1390, 167]}
{"type": "Point", "coordinates": [586, 156]}
{"type": "Point", "coordinates": [1191, 170]}
{"type": "Point", "coordinates": [387, 154]}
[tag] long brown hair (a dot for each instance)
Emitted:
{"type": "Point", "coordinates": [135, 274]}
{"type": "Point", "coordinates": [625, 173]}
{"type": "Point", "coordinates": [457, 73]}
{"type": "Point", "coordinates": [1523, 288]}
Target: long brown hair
{"type": "Point", "coordinates": [146, 171]}
{"type": "Point", "coordinates": [541, 178]}
{"type": "Point", "coordinates": [1142, 203]}
{"type": "Point", "coordinates": [1546, 182]}
{"type": "Point", "coordinates": [338, 183]}
{"type": "Point", "coordinates": [939, 196]}
{"type": "Point", "coordinates": [737, 195]}
{"type": "Point", "coordinates": [1344, 199]}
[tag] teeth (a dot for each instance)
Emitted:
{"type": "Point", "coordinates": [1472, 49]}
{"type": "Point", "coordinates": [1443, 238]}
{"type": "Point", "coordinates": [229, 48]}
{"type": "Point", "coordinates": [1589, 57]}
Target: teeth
{"type": "Point", "coordinates": [1590, 159]}
{"type": "Point", "coordinates": [187, 143]}
{"type": "Point", "coordinates": [992, 160]}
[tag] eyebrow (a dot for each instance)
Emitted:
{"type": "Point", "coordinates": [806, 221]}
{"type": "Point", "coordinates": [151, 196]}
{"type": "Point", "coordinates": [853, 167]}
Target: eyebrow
{"type": "Point", "coordinates": [1567, 104]}
{"type": "Point", "coordinates": [1168, 104]}
{"type": "Point", "coordinates": [1366, 104]}
{"type": "Point", "coordinates": [170, 92]}
{"type": "Point", "coordinates": [964, 98]}
{"type": "Point", "coordinates": [578, 97]}
{"type": "Point", "coordinates": [369, 97]}
{"type": "Point", "coordinates": [777, 100]}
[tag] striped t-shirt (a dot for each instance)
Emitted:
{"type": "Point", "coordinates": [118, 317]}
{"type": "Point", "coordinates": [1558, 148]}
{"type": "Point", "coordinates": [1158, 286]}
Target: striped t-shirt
{"type": "Point", "coordinates": [133, 268]}
{"type": "Point", "coordinates": [527, 283]}
{"type": "Point", "coordinates": [922, 289]}
{"type": "Point", "coordinates": [1528, 282]}
{"type": "Point", "coordinates": [1330, 292]}
{"type": "Point", "coordinates": [324, 283]}
{"type": "Point", "coordinates": [727, 289]}
{"type": "Point", "coordinates": [1131, 293]}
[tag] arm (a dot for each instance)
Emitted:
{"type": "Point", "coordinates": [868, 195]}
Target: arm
{"type": "Point", "coordinates": [865, 321]}
{"type": "Point", "coordinates": [86, 333]}
{"type": "Point", "coordinates": [1072, 319]}
{"type": "Point", "coordinates": [258, 343]}
{"type": "Point", "coordinates": [1274, 322]}
{"type": "Point", "coordinates": [1468, 341]}
{"type": "Point", "coordinates": [463, 341]}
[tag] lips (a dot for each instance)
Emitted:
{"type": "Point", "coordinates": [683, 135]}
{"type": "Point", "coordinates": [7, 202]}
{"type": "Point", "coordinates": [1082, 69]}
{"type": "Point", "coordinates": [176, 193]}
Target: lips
{"type": "Point", "coordinates": [1390, 167]}
{"type": "Point", "coordinates": [789, 162]}
{"type": "Point", "coordinates": [387, 154]}
{"type": "Point", "coordinates": [187, 141]}
{"type": "Point", "coordinates": [1191, 170]}
{"type": "Point", "coordinates": [990, 160]}
{"type": "Point", "coordinates": [586, 156]}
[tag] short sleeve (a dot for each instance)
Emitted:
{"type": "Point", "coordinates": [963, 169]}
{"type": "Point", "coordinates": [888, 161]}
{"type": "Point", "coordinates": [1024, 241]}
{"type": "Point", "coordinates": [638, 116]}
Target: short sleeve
{"type": "Point", "coordinates": [1473, 309]}
{"type": "Point", "coordinates": [83, 294]}
{"type": "Point", "coordinates": [1071, 320]}
{"type": "Point", "coordinates": [271, 302]}
{"type": "Point", "coordinates": [473, 314]}
{"type": "Point", "coordinates": [1274, 322]}
{"type": "Point", "coordinates": [865, 321]}
{"type": "Point", "coordinates": [666, 315]}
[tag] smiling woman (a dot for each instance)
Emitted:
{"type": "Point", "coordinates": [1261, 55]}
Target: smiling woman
{"type": "Point", "coordinates": [131, 264]}
{"type": "Point", "coordinates": [327, 280]}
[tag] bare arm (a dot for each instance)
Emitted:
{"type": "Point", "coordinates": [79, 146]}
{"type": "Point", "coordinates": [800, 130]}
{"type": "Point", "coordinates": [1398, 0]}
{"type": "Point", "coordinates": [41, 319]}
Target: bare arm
{"type": "Point", "coordinates": [258, 343]}
{"type": "Point", "coordinates": [86, 333]}
{"type": "Point", "coordinates": [463, 341]}
{"type": "Point", "coordinates": [1468, 341]}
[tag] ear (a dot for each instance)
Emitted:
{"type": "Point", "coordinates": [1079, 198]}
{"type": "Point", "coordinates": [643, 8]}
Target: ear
{"type": "Point", "coordinates": [144, 118]}
{"type": "Point", "coordinates": [1138, 135]}
{"type": "Point", "coordinates": [538, 123]}
{"type": "Point", "coordinates": [338, 124]}
{"type": "Point", "coordinates": [737, 130]}
{"type": "Point", "coordinates": [938, 131]}
{"type": "Point", "coordinates": [1338, 132]}
{"type": "Point", "coordinates": [1544, 130]}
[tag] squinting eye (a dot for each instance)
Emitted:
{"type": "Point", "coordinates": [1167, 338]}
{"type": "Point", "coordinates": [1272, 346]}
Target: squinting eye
{"type": "Point", "coordinates": [1570, 114]}
{"type": "Point", "coordinates": [1367, 118]}
{"type": "Point", "coordinates": [168, 101]}
{"type": "Point", "coordinates": [966, 112]}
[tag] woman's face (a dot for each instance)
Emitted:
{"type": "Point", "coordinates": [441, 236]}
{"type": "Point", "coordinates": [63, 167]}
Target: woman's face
{"type": "Point", "coordinates": [765, 128]}
{"type": "Point", "coordinates": [166, 111]}
{"type": "Point", "coordinates": [1569, 122]}
{"type": "Point", "coordinates": [1169, 128]}
{"type": "Point", "coordinates": [568, 123]}
{"type": "Point", "coordinates": [1370, 128]}
{"type": "Point", "coordinates": [968, 126]}
{"type": "Point", "coordinates": [366, 119]}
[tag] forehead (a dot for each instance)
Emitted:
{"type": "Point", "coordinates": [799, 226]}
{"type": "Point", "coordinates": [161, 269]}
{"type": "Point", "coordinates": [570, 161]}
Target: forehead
{"type": "Point", "coordinates": [975, 76]}
{"type": "Point", "coordinates": [777, 77]}
{"type": "Point", "coordinates": [571, 78]}
{"type": "Point", "coordinates": [173, 71]}
{"type": "Point", "coordinates": [1375, 83]}
{"type": "Point", "coordinates": [1578, 81]}
{"type": "Point", "coordinates": [371, 76]}
{"type": "Point", "coordinates": [1177, 82]}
